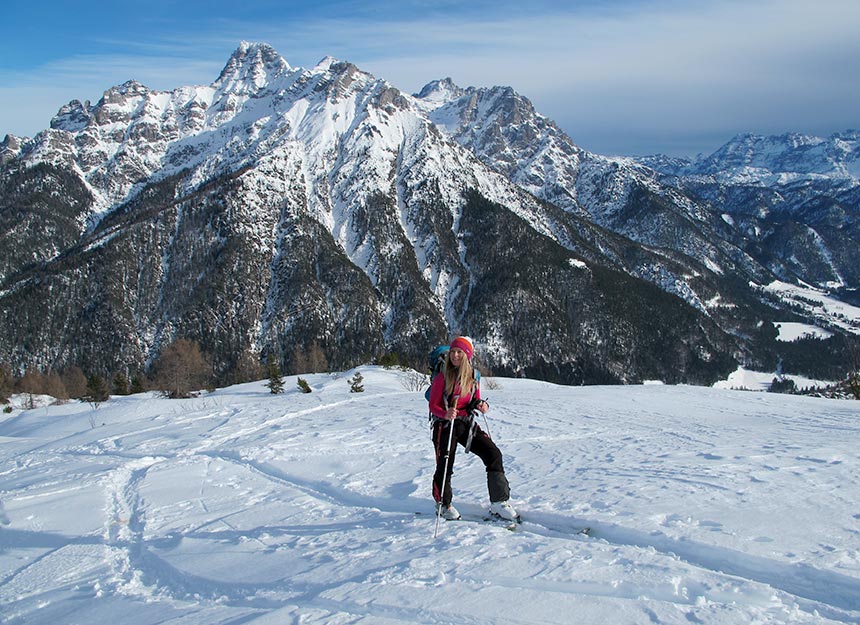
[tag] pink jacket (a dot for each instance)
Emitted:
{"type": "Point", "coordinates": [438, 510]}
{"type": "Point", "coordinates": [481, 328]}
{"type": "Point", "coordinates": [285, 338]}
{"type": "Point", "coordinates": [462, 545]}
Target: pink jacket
{"type": "Point", "coordinates": [437, 398]}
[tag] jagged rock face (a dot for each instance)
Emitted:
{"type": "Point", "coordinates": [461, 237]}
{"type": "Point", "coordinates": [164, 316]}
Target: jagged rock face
{"type": "Point", "coordinates": [505, 132]}
{"type": "Point", "coordinates": [281, 208]}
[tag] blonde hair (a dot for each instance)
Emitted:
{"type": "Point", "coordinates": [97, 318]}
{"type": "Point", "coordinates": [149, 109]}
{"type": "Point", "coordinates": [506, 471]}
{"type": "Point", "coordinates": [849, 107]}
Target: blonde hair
{"type": "Point", "coordinates": [464, 376]}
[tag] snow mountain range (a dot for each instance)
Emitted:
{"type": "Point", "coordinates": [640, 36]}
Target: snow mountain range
{"type": "Point", "coordinates": [281, 208]}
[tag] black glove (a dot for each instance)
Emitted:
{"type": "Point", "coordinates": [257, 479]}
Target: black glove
{"type": "Point", "coordinates": [473, 405]}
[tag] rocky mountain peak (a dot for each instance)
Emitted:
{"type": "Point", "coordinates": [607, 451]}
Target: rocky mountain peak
{"type": "Point", "coordinates": [251, 67]}
{"type": "Point", "coordinates": [326, 63]}
{"type": "Point", "coordinates": [72, 117]}
{"type": "Point", "coordinates": [128, 89]}
{"type": "Point", "coordinates": [10, 148]}
{"type": "Point", "coordinates": [440, 91]}
{"type": "Point", "coordinates": [339, 78]}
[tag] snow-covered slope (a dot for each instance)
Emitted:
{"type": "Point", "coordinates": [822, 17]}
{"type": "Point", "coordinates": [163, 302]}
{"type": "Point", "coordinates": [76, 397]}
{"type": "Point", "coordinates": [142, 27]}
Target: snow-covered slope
{"type": "Point", "coordinates": [707, 506]}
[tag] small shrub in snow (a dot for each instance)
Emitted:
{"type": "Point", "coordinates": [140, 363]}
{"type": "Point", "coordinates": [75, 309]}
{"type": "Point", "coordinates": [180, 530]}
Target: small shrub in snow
{"type": "Point", "coordinates": [355, 383]}
{"type": "Point", "coordinates": [853, 384]}
{"type": "Point", "coordinates": [414, 380]}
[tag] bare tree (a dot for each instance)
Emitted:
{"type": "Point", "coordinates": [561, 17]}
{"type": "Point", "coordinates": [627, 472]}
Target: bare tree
{"type": "Point", "coordinates": [75, 382]}
{"type": "Point", "coordinates": [316, 358]}
{"type": "Point", "coordinates": [182, 369]}
{"type": "Point", "coordinates": [413, 380]}
{"type": "Point", "coordinates": [247, 369]}
{"type": "Point", "coordinates": [300, 362]}
{"type": "Point", "coordinates": [31, 384]}
{"type": "Point", "coordinates": [55, 387]}
{"type": "Point", "coordinates": [310, 360]}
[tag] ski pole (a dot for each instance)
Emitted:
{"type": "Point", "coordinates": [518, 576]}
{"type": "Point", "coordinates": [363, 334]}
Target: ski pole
{"type": "Point", "coordinates": [487, 426]}
{"type": "Point", "coordinates": [447, 457]}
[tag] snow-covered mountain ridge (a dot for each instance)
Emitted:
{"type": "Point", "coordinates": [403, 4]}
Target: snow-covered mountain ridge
{"type": "Point", "coordinates": [794, 198]}
{"type": "Point", "coordinates": [283, 207]}
{"type": "Point", "coordinates": [774, 160]}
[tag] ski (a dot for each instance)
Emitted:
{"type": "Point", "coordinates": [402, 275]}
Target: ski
{"type": "Point", "coordinates": [487, 518]}
{"type": "Point", "coordinates": [512, 526]}
{"type": "Point", "coordinates": [574, 531]}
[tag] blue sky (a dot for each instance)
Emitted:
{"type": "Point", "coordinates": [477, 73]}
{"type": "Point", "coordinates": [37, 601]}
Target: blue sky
{"type": "Point", "coordinates": [622, 77]}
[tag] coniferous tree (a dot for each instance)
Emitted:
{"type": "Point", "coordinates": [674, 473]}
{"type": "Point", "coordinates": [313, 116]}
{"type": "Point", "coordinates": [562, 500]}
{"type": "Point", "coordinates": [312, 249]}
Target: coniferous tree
{"type": "Point", "coordinates": [389, 360]}
{"type": "Point", "coordinates": [276, 380]}
{"type": "Point", "coordinates": [121, 384]}
{"type": "Point", "coordinates": [782, 385]}
{"type": "Point", "coordinates": [138, 384]}
{"type": "Point", "coordinates": [97, 390]}
{"type": "Point", "coordinates": [303, 385]}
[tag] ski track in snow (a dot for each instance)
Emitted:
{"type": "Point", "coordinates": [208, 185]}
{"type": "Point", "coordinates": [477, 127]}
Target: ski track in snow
{"type": "Point", "coordinates": [296, 503]}
{"type": "Point", "coordinates": [822, 588]}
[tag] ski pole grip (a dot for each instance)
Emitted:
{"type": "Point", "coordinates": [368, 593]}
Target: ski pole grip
{"type": "Point", "coordinates": [454, 405]}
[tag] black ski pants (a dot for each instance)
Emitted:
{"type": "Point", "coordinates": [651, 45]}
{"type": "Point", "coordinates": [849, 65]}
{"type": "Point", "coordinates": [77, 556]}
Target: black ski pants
{"type": "Point", "coordinates": [482, 446]}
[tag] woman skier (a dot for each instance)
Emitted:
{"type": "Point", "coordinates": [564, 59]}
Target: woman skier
{"type": "Point", "coordinates": [452, 396]}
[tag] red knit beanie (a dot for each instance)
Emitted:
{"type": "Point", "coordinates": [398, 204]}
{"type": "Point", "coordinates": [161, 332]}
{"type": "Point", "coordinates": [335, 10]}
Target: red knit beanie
{"type": "Point", "coordinates": [464, 343]}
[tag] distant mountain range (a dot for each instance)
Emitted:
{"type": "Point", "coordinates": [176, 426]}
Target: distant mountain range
{"type": "Point", "coordinates": [282, 209]}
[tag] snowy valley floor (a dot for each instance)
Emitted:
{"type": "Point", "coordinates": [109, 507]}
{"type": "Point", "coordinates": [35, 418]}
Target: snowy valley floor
{"type": "Point", "coordinates": [707, 506]}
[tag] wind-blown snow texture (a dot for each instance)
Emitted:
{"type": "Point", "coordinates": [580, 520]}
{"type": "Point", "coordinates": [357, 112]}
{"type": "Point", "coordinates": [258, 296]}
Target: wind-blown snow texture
{"type": "Point", "coordinates": [708, 506]}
